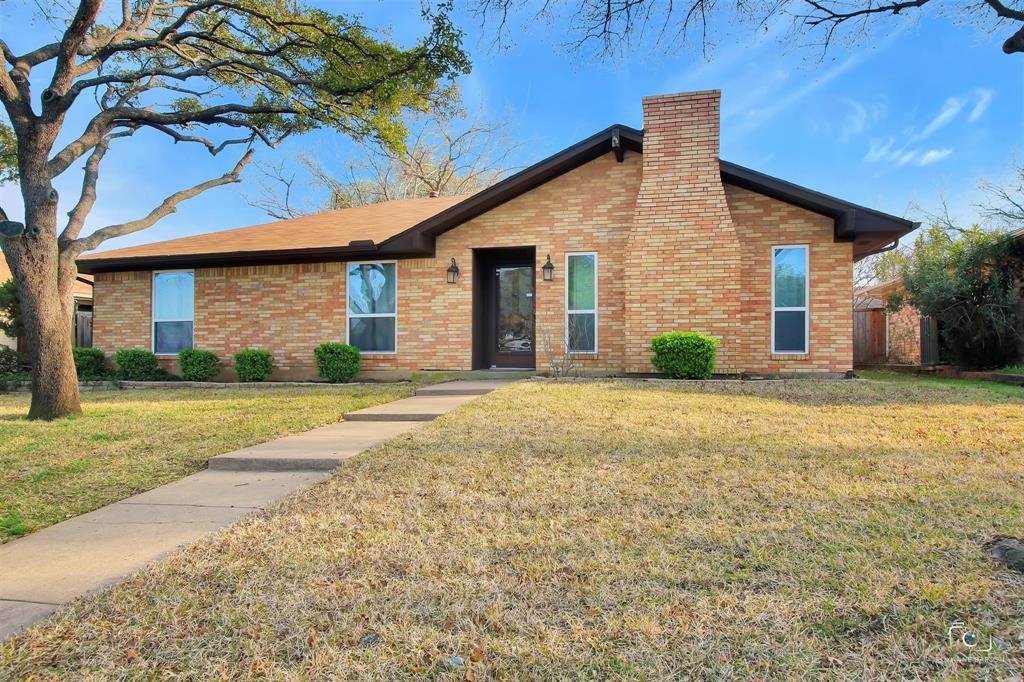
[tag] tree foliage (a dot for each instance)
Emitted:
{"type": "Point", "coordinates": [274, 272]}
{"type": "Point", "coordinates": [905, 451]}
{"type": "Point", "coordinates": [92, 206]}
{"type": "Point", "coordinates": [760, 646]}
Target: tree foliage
{"type": "Point", "coordinates": [10, 309]}
{"type": "Point", "coordinates": [219, 74]}
{"type": "Point", "coordinates": [970, 283]}
{"type": "Point", "coordinates": [8, 154]}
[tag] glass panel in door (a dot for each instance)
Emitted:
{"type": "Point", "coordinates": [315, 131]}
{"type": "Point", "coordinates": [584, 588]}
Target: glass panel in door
{"type": "Point", "coordinates": [514, 310]}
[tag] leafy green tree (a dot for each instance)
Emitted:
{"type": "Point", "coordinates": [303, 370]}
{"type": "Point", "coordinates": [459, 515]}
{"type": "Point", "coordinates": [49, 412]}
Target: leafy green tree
{"type": "Point", "coordinates": [969, 282]}
{"type": "Point", "coordinates": [10, 310]}
{"type": "Point", "coordinates": [219, 74]}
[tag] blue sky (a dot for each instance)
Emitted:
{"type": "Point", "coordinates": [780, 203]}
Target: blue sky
{"type": "Point", "coordinates": [921, 111]}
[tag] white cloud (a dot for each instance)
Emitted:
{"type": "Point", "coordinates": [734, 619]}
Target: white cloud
{"type": "Point", "coordinates": [933, 155]}
{"type": "Point", "coordinates": [859, 117]}
{"type": "Point", "coordinates": [855, 122]}
{"type": "Point", "coordinates": [984, 98]}
{"type": "Point", "coordinates": [950, 108]}
{"type": "Point", "coordinates": [879, 150]}
{"type": "Point", "coordinates": [903, 158]}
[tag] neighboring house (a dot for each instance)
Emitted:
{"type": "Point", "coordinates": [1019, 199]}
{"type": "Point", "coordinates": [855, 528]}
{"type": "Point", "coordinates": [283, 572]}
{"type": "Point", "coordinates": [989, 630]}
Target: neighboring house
{"type": "Point", "coordinates": [904, 337]}
{"type": "Point", "coordinates": [81, 325]}
{"type": "Point", "coordinates": [592, 251]}
{"type": "Point", "coordinates": [883, 337]}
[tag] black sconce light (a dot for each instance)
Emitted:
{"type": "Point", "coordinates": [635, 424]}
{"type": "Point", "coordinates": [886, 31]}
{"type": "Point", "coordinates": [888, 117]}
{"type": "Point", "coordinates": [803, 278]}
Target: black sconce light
{"type": "Point", "coordinates": [453, 272]}
{"type": "Point", "coordinates": [548, 270]}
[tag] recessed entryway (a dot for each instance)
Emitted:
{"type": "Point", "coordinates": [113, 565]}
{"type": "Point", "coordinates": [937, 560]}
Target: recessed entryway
{"type": "Point", "coordinates": [504, 310]}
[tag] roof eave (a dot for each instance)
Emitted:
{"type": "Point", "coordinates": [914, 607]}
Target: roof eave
{"type": "Point", "coordinates": [236, 258]}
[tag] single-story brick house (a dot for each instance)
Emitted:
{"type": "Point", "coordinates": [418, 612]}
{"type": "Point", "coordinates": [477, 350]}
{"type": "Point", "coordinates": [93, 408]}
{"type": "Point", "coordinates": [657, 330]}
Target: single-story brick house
{"type": "Point", "coordinates": [622, 236]}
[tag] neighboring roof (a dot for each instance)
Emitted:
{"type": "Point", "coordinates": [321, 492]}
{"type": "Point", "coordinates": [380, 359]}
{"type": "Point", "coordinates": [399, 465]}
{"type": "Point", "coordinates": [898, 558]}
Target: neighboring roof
{"type": "Point", "coordinates": [408, 228]}
{"type": "Point", "coordinates": [82, 288]}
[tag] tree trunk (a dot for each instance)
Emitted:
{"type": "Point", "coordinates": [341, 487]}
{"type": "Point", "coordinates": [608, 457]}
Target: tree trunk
{"type": "Point", "coordinates": [44, 288]}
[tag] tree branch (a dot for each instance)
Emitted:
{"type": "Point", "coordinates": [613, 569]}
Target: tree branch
{"type": "Point", "coordinates": [167, 207]}
{"type": "Point", "coordinates": [74, 37]}
{"type": "Point", "coordinates": [108, 120]}
{"type": "Point", "coordinates": [77, 215]}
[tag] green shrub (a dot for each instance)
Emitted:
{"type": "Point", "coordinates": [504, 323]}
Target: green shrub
{"type": "Point", "coordinates": [90, 363]}
{"type": "Point", "coordinates": [337, 362]}
{"type": "Point", "coordinates": [198, 365]}
{"type": "Point", "coordinates": [253, 365]}
{"type": "Point", "coordinates": [684, 355]}
{"type": "Point", "coordinates": [135, 364]}
{"type": "Point", "coordinates": [10, 360]}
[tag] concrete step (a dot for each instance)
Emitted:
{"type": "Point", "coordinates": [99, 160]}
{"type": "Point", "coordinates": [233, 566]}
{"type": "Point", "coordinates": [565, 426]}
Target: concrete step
{"type": "Point", "coordinates": [420, 408]}
{"type": "Point", "coordinates": [464, 387]}
{"type": "Point", "coordinates": [322, 449]}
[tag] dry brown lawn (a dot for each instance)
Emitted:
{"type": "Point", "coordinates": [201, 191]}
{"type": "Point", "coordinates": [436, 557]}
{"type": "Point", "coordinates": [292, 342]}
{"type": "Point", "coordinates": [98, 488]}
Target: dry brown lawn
{"type": "Point", "coordinates": [596, 530]}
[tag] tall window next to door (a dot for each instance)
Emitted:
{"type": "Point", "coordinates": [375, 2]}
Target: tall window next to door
{"type": "Point", "coordinates": [790, 323]}
{"type": "Point", "coordinates": [581, 302]}
{"type": "Point", "coordinates": [173, 311]}
{"type": "Point", "coordinates": [372, 306]}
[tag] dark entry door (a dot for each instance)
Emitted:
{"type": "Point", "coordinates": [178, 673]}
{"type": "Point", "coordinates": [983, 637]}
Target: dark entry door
{"type": "Point", "coordinates": [513, 317]}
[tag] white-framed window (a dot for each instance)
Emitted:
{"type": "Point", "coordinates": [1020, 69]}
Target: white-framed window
{"type": "Point", "coordinates": [373, 306]}
{"type": "Point", "coordinates": [581, 302]}
{"type": "Point", "coordinates": [173, 310]}
{"type": "Point", "coordinates": [790, 295]}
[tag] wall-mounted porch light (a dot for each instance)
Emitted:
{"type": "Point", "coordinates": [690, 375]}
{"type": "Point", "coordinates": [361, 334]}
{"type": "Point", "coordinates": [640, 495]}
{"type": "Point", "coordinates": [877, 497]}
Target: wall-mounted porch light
{"type": "Point", "coordinates": [548, 270]}
{"type": "Point", "coordinates": [453, 273]}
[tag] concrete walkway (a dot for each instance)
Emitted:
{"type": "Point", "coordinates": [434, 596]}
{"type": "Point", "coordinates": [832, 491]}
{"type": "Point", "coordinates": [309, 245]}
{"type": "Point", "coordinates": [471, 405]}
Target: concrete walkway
{"type": "Point", "coordinates": [51, 567]}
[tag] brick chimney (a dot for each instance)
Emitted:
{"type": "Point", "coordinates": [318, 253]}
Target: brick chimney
{"type": "Point", "coordinates": [683, 255]}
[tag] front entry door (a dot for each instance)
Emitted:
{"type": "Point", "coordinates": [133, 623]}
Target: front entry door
{"type": "Point", "coordinates": [513, 317]}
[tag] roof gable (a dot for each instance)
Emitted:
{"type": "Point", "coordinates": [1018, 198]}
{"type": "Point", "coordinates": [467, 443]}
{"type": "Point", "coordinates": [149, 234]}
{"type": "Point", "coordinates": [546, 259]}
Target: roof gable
{"type": "Point", "coordinates": [408, 228]}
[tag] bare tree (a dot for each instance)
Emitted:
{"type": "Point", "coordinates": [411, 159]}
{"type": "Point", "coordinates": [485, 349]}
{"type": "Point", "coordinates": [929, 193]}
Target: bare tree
{"type": "Point", "coordinates": [1005, 204]}
{"type": "Point", "coordinates": [215, 73]}
{"type": "Point", "coordinates": [446, 154]}
{"type": "Point", "coordinates": [1001, 209]}
{"type": "Point", "coordinates": [613, 25]}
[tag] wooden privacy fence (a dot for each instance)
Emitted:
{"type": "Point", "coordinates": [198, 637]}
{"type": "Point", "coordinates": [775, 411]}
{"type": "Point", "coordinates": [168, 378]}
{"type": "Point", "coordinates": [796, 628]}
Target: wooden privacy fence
{"type": "Point", "coordinates": [868, 337]}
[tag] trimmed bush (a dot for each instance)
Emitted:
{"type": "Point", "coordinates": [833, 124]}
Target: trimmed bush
{"type": "Point", "coordinates": [135, 364]}
{"type": "Point", "coordinates": [198, 365]}
{"type": "Point", "coordinates": [10, 361]}
{"type": "Point", "coordinates": [253, 365]}
{"type": "Point", "coordinates": [337, 362]}
{"type": "Point", "coordinates": [685, 355]}
{"type": "Point", "coordinates": [90, 363]}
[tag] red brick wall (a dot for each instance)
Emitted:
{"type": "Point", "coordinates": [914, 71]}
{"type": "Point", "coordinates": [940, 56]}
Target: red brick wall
{"type": "Point", "coordinates": [121, 313]}
{"type": "Point", "coordinates": [904, 330]}
{"type": "Point", "coordinates": [683, 256]}
{"type": "Point", "coordinates": [763, 222]}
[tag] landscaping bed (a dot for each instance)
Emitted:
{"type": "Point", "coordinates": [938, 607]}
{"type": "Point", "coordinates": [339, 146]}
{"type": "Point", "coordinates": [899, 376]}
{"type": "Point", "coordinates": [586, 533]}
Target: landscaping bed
{"type": "Point", "coordinates": [605, 529]}
{"type": "Point", "coordinates": [127, 442]}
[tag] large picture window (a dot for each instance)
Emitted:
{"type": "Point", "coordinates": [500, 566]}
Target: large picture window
{"type": "Point", "coordinates": [173, 311]}
{"type": "Point", "coordinates": [790, 323]}
{"type": "Point", "coordinates": [372, 306]}
{"type": "Point", "coordinates": [581, 302]}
